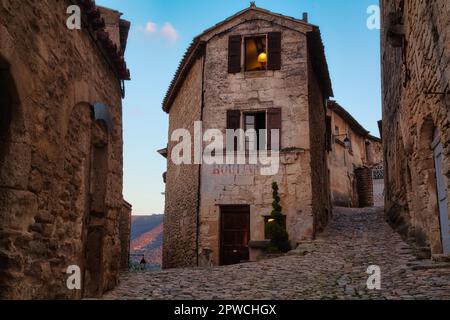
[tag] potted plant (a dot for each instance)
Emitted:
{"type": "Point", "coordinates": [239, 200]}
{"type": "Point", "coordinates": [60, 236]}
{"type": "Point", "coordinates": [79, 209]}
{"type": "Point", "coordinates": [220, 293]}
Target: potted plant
{"type": "Point", "coordinates": [275, 229]}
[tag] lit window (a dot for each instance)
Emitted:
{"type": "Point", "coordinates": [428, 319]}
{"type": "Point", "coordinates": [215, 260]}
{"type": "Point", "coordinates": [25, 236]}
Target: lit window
{"type": "Point", "coordinates": [255, 53]}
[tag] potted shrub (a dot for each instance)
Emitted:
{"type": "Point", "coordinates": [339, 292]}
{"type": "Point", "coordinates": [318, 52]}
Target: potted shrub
{"type": "Point", "coordinates": [275, 229]}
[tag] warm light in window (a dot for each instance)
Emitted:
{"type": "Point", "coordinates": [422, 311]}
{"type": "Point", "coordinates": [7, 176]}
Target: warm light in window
{"type": "Point", "coordinates": [255, 53]}
{"type": "Point", "coordinates": [271, 220]}
{"type": "Point", "coordinates": [262, 58]}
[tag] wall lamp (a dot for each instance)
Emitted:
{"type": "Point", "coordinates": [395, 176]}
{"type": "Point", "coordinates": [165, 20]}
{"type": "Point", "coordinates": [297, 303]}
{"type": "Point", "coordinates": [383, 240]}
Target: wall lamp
{"type": "Point", "coordinates": [347, 142]}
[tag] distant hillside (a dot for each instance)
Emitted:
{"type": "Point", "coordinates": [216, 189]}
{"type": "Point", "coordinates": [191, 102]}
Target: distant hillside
{"type": "Point", "coordinates": [143, 224]}
{"type": "Point", "coordinates": [146, 239]}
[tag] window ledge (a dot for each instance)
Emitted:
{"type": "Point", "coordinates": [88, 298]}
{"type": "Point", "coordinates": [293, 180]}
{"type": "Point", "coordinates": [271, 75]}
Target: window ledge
{"type": "Point", "coordinates": [258, 74]}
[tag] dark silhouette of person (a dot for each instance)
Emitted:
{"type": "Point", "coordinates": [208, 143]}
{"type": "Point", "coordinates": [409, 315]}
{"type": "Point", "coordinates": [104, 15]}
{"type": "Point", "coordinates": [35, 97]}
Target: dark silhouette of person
{"type": "Point", "coordinates": [143, 263]}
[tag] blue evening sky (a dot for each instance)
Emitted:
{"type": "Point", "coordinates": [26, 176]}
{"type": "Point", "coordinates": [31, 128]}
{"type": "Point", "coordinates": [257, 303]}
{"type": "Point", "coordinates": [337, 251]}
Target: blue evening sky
{"type": "Point", "coordinates": [162, 30]}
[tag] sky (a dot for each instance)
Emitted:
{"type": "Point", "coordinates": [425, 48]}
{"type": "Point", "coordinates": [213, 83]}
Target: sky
{"type": "Point", "coordinates": [160, 34]}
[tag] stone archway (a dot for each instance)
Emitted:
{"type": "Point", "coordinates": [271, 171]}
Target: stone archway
{"type": "Point", "coordinates": [85, 189]}
{"type": "Point", "coordinates": [14, 144]}
{"type": "Point", "coordinates": [75, 194]}
{"type": "Point", "coordinates": [5, 110]}
{"type": "Point", "coordinates": [5, 124]}
{"type": "Point", "coordinates": [16, 203]}
{"type": "Point", "coordinates": [97, 216]}
{"type": "Point", "coordinates": [427, 225]}
{"type": "Point", "coordinates": [85, 182]}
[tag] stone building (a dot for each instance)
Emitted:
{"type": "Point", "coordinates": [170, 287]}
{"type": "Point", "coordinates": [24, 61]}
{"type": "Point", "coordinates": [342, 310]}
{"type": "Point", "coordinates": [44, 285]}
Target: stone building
{"type": "Point", "coordinates": [416, 120]}
{"type": "Point", "coordinates": [61, 200]}
{"type": "Point", "coordinates": [354, 155]}
{"type": "Point", "coordinates": [260, 70]}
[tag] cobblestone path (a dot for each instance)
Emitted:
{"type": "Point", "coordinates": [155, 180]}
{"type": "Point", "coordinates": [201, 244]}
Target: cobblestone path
{"type": "Point", "coordinates": [331, 267]}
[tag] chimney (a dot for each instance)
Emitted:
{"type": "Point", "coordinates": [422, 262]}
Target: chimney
{"type": "Point", "coordinates": [305, 16]}
{"type": "Point", "coordinates": [112, 21]}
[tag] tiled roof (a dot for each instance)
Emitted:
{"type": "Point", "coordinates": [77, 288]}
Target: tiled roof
{"type": "Point", "coordinates": [352, 122]}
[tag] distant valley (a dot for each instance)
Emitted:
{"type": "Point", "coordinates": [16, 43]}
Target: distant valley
{"type": "Point", "coordinates": [146, 239]}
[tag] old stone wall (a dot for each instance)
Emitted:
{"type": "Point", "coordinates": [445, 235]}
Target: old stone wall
{"type": "Point", "coordinates": [320, 179]}
{"type": "Point", "coordinates": [182, 187]}
{"type": "Point", "coordinates": [257, 91]}
{"type": "Point", "coordinates": [125, 235]}
{"type": "Point", "coordinates": [375, 154]}
{"type": "Point", "coordinates": [60, 170]}
{"type": "Point", "coordinates": [416, 74]}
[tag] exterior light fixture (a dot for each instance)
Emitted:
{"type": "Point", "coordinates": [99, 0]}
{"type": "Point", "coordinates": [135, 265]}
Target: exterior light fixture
{"type": "Point", "coordinates": [262, 58]}
{"type": "Point", "coordinates": [347, 142]}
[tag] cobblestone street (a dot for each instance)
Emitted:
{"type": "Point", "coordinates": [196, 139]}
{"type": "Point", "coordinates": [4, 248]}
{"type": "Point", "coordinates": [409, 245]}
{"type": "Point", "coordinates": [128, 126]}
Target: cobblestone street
{"type": "Point", "coordinates": [331, 267]}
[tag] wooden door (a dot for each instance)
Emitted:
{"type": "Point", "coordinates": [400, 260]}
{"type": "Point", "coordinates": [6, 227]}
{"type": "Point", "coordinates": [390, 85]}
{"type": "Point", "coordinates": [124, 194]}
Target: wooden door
{"type": "Point", "coordinates": [234, 234]}
{"type": "Point", "coordinates": [442, 194]}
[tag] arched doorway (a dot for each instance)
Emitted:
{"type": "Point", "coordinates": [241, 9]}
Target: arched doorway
{"type": "Point", "coordinates": [96, 220]}
{"type": "Point", "coordinates": [14, 171]}
{"type": "Point", "coordinates": [85, 181]}
{"type": "Point", "coordinates": [8, 100]}
{"type": "Point", "coordinates": [438, 152]}
{"type": "Point", "coordinates": [5, 124]}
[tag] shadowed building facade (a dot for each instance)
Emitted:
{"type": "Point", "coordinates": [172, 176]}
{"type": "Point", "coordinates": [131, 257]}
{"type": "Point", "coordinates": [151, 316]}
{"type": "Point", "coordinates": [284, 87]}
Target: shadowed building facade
{"type": "Point", "coordinates": [416, 120]}
{"type": "Point", "coordinates": [61, 200]}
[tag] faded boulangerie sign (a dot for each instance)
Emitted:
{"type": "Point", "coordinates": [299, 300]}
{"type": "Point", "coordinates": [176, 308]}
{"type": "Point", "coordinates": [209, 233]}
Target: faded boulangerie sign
{"type": "Point", "coordinates": [241, 170]}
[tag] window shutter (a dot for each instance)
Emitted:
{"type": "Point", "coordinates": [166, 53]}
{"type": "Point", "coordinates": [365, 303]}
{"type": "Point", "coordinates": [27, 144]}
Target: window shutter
{"type": "Point", "coordinates": [274, 51]}
{"type": "Point", "coordinates": [234, 123]}
{"type": "Point", "coordinates": [234, 54]}
{"type": "Point", "coordinates": [273, 122]}
{"type": "Point", "coordinates": [328, 142]}
{"type": "Point", "coordinates": [233, 119]}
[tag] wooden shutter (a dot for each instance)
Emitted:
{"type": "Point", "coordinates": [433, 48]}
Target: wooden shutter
{"type": "Point", "coordinates": [234, 54]}
{"type": "Point", "coordinates": [233, 119]}
{"type": "Point", "coordinates": [273, 122]}
{"type": "Point", "coordinates": [274, 51]}
{"type": "Point", "coordinates": [234, 123]}
{"type": "Point", "coordinates": [328, 142]}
